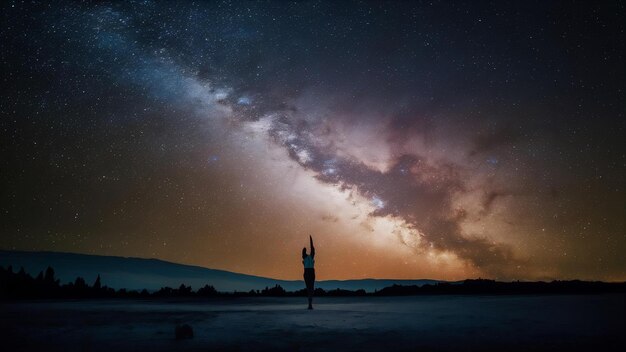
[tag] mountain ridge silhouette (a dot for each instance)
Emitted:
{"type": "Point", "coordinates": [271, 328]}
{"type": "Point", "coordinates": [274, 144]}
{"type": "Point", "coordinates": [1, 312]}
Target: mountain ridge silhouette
{"type": "Point", "coordinates": [150, 273]}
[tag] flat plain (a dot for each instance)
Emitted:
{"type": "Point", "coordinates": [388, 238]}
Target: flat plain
{"type": "Point", "coordinates": [416, 323]}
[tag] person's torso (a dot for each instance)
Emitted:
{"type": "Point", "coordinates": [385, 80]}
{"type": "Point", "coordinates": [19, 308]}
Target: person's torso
{"type": "Point", "coordinates": [308, 262]}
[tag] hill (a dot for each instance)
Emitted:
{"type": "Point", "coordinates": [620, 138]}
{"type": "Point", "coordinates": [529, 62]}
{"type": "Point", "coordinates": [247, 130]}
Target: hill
{"type": "Point", "coordinates": [152, 274]}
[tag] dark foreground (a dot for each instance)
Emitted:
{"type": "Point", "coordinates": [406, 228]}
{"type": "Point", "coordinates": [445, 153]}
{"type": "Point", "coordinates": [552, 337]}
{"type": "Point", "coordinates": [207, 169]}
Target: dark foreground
{"type": "Point", "coordinates": [424, 323]}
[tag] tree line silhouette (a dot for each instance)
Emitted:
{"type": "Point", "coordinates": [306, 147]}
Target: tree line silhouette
{"type": "Point", "coordinates": [21, 285]}
{"type": "Point", "coordinates": [492, 287]}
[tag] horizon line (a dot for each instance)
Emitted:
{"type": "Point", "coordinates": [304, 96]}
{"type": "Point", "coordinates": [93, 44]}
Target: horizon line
{"type": "Point", "coordinates": [547, 279]}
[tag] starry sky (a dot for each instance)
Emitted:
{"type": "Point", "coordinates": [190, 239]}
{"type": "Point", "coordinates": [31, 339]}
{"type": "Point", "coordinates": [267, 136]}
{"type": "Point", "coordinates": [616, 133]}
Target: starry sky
{"type": "Point", "coordinates": [430, 139]}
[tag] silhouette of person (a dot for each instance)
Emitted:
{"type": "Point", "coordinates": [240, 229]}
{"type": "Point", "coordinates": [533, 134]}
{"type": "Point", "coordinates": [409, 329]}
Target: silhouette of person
{"type": "Point", "coordinates": [309, 272]}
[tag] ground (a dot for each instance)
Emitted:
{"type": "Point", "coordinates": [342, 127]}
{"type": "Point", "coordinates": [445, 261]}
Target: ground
{"type": "Point", "coordinates": [419, 323]}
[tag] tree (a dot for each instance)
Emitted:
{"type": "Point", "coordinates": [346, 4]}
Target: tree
{"type": "Point", "coordinates": [49, 277]}
{"type": "Point", "coordinates": [207, 291]}
{"type": "Point", "coordinates": [184, 290]}
{"type": "Point", "coordinates": [80, 283]}
{"type": "Point", "coordinates": [97, 285]}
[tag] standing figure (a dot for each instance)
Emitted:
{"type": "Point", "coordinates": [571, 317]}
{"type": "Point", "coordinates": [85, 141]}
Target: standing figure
{"type": "Point", "coordinates": [309, 272]}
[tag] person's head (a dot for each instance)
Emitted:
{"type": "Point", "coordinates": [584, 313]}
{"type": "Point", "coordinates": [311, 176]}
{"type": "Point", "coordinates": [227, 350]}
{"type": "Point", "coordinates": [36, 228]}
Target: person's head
{"type": "Point", "coordinates": [303, 251]}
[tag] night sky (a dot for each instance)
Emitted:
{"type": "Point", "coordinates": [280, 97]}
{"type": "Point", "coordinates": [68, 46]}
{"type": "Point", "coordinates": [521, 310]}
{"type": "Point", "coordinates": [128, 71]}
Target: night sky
{"type": "Point", "coordinates": [431, 139]}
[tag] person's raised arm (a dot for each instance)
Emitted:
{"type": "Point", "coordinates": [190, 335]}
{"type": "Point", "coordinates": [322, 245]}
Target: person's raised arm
{"type": "Point", "coordinates": [312, 248]}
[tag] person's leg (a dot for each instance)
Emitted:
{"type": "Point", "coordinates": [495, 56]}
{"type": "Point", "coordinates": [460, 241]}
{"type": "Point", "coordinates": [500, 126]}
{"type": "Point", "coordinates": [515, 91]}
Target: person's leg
{"type": "Point", "coordinates": [311, 288]}
{"type": "Point", "coordinates": [309, 279]}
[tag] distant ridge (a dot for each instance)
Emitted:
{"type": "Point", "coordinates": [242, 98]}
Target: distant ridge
{"type": "Point", "coordinates": [152, 274]}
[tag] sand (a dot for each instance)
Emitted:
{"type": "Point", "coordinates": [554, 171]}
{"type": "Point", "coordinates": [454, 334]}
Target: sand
{"type": "Point", "coordinates": [422, 323]}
